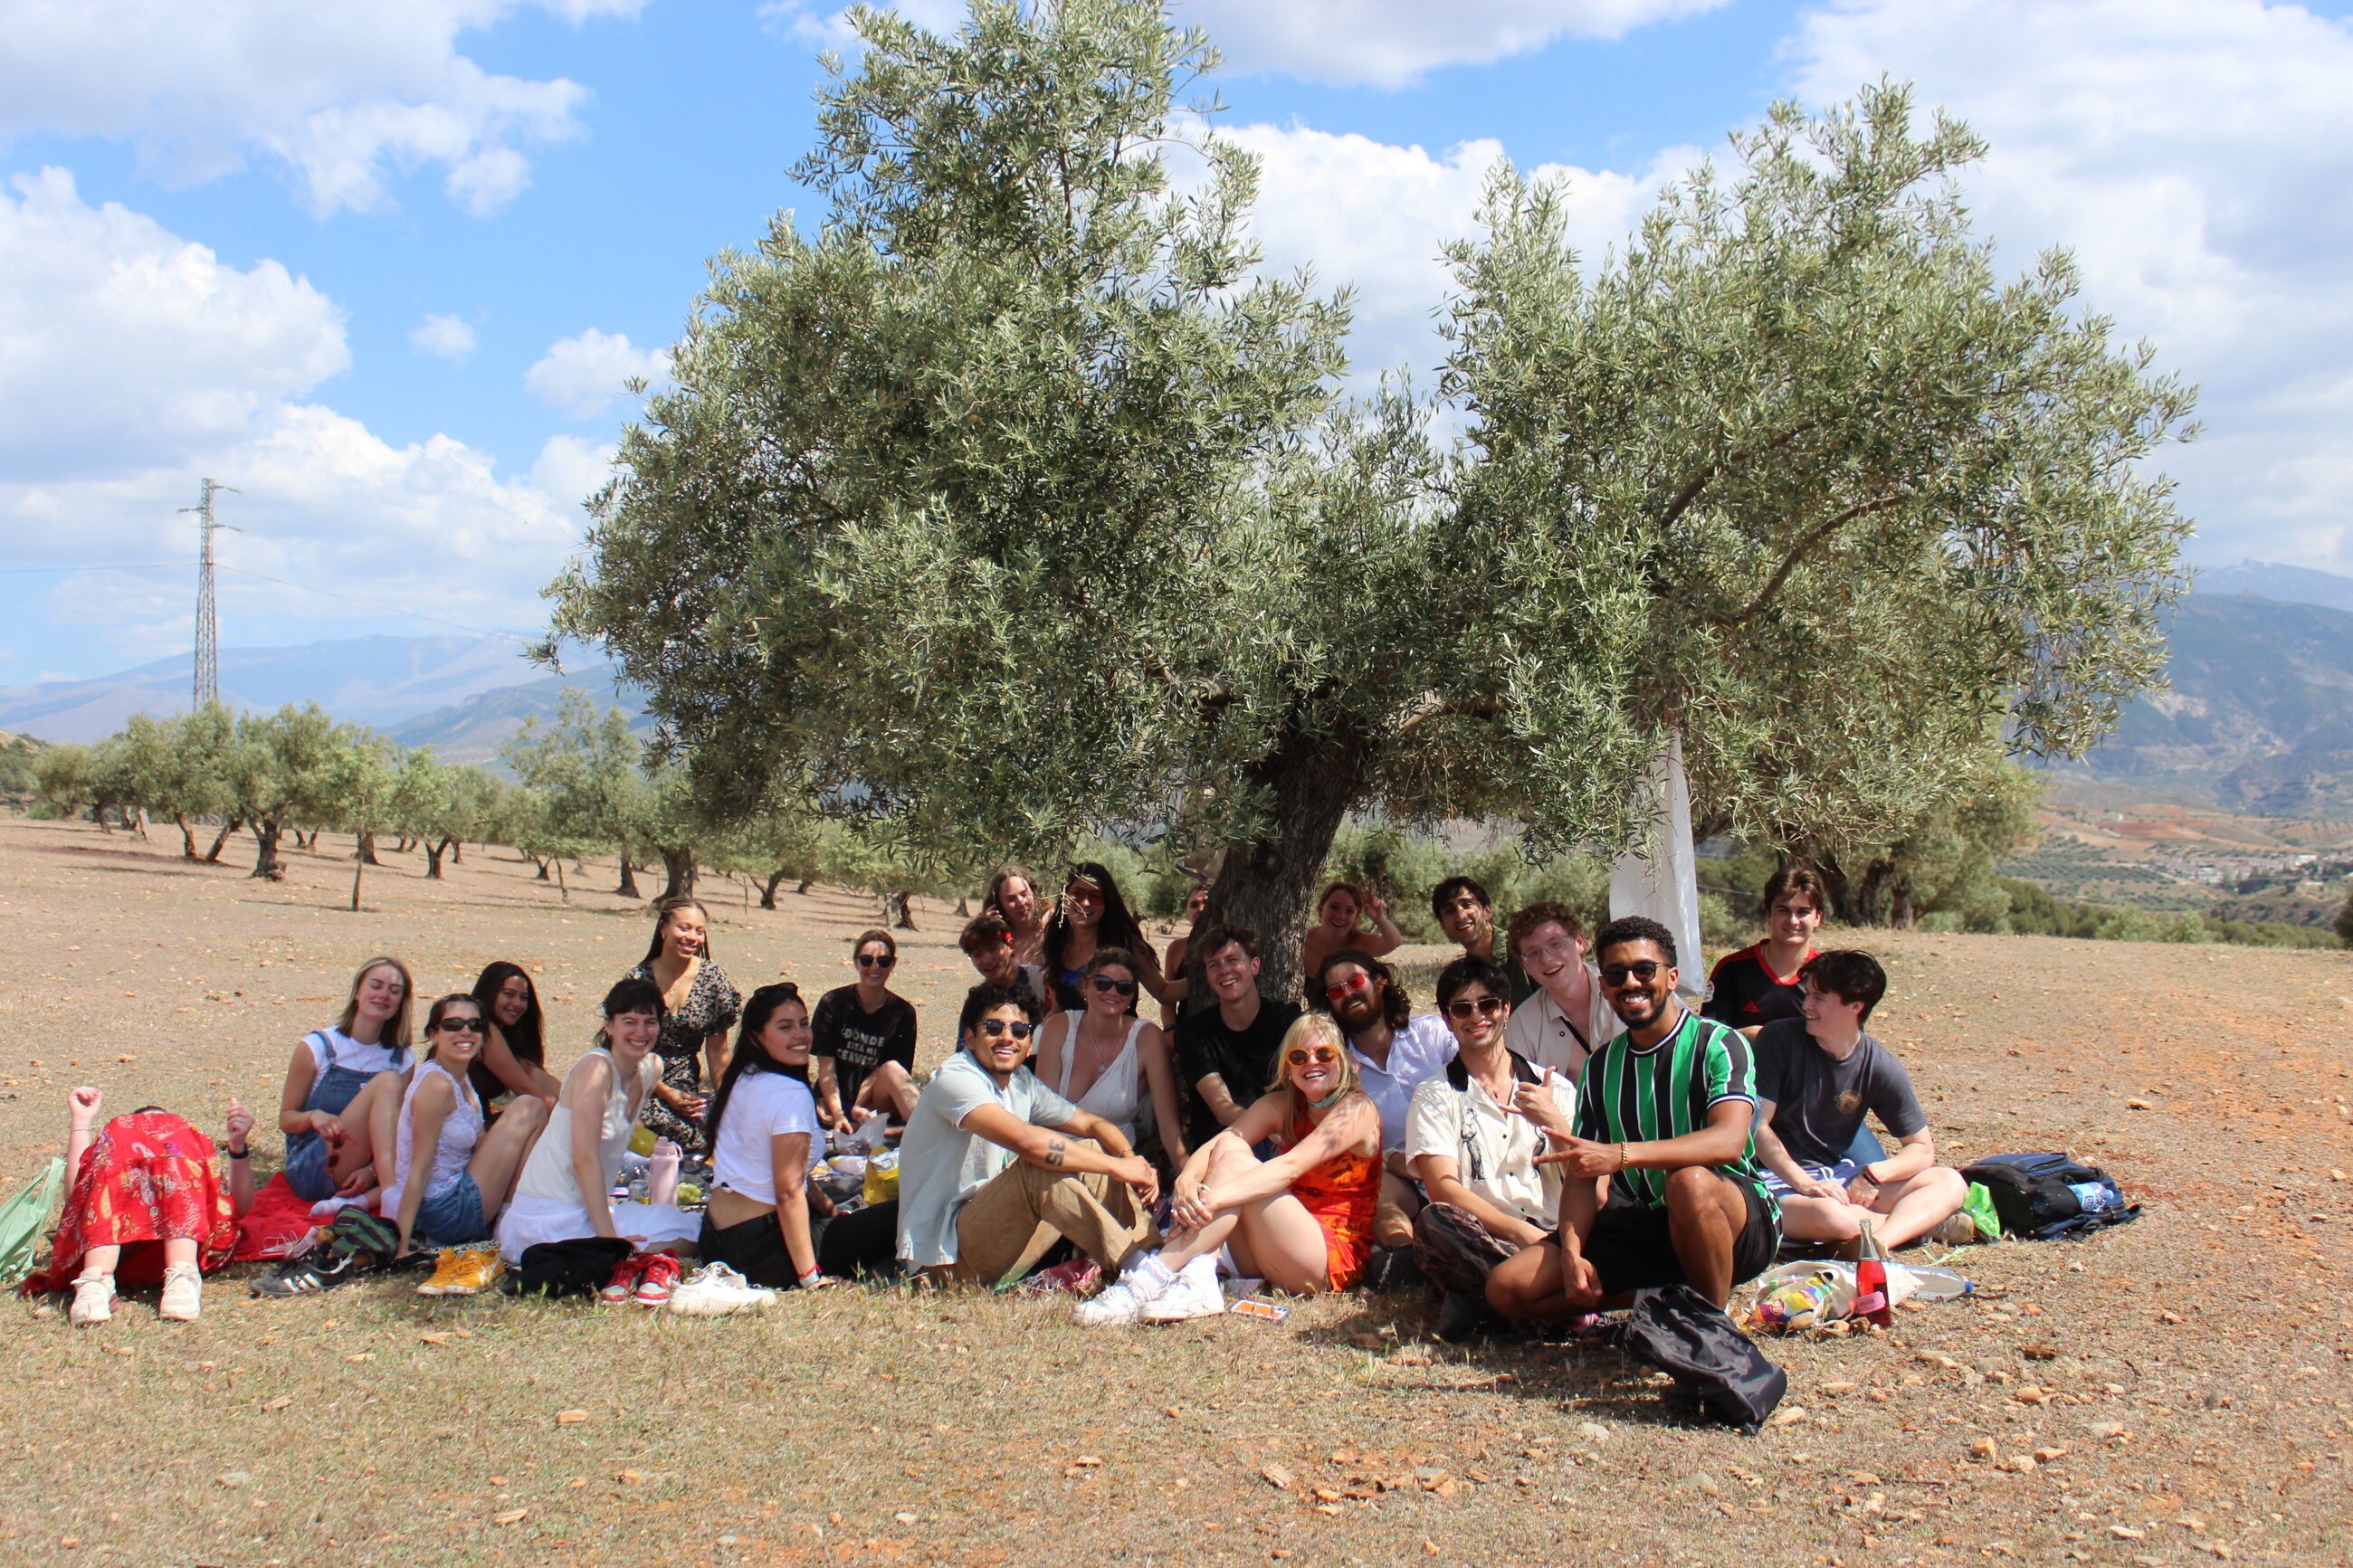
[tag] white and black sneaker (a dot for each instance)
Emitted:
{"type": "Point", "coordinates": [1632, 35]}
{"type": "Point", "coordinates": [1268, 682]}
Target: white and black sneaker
{"type": "Point", "coordinates": [1194, 1293]}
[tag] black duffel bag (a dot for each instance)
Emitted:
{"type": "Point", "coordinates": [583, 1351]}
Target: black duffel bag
{"type": "Point", "coordinates": [2044, 1196]}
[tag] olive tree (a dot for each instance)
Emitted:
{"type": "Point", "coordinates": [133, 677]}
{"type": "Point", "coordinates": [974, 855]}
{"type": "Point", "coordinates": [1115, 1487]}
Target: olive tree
{"type": "Point", "coordinates": [1012, 503]}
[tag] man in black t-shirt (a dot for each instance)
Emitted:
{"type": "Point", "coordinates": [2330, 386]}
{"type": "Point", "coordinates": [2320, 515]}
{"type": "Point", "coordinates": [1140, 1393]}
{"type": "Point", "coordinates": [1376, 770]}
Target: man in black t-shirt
{"type": "Point", "coordinates": [862, 1041]}
{"type": "Point", "coordinates": [1816, 1076]}
{"type": "Point", "coordinates": [1225, 1056]}
{"type": "Point", "coordinates": [1761, 984]}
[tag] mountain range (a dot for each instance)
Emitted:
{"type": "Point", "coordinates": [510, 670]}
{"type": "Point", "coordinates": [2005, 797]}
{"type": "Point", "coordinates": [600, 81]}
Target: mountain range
{"type": "Point", "coordinates": [2259, 716]}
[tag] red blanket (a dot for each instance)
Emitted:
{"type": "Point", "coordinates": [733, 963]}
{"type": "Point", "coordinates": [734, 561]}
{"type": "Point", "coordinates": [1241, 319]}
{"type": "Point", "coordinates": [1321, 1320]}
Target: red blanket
{"type": "Point", "coordinates": [278, 1220]}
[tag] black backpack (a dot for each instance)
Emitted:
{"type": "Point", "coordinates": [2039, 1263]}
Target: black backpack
{"type": "Point", "coordinates": [1720, 1374]}
{"type": "Point", "coordinates": [2044, 1196]}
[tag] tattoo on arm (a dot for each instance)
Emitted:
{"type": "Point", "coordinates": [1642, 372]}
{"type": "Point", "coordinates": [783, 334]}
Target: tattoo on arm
{"type": "Point", "coordinates": [1054, 1152]}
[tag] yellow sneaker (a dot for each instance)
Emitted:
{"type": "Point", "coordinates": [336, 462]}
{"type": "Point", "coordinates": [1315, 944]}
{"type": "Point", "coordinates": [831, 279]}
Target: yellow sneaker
{"type": "Point", "coordinates": [476, 1268]}
{"type": "Point", "coordinates": [447, 1265]}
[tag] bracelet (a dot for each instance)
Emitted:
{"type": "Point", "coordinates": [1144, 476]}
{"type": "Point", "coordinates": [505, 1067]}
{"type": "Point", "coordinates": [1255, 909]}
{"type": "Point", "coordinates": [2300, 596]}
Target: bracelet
{"type": "Point", "coordinates": [237, 1153]}
{"type": "Point", "coordinates": [1621, 1155]}
{"type": "Point", "coordinates": [811, 1278]}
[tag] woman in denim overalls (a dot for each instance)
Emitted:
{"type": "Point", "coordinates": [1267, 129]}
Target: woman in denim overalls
{"type": "Point", "coordinates": [327, 1117]}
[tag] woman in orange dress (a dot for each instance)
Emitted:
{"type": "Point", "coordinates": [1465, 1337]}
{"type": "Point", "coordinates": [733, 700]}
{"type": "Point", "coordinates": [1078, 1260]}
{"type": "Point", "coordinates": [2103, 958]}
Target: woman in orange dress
{"type": "Point", "coordinates": [1302, 1220]}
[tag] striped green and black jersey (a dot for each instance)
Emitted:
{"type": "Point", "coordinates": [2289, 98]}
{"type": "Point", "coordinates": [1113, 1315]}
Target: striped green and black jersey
{"type": "Point", "coordinates": [1630, 1096]}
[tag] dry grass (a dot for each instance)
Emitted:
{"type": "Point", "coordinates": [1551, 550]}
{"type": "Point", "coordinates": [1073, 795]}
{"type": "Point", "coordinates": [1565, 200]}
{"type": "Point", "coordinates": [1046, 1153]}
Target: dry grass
{"type": "Point", "coordinates": [2192, 1368]}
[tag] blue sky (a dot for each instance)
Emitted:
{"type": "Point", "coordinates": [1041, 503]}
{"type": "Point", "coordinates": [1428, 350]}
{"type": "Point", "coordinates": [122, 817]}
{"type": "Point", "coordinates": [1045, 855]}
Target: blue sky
{"type": "Point", "coordinates": [384, 267]}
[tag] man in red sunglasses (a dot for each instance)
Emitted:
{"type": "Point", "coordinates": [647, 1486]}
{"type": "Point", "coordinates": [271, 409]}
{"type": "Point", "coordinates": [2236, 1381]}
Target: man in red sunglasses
{"type": "Point", "coordinates": [1395, 1053]}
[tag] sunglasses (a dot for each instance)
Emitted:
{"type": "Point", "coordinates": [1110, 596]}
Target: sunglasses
{"type": "Point", "coordinates": [1110, 987]}
{"type": "Point", "coordinates": [1483, 1006]}
{"type": "Point", "coordinates": [875, 960]}
{"type": "Point", "coordinates": [1644, 970]}
{"type": "Point", "coordinates": [1321, 1056]}
{"type": "Point", "coordinates": [459, 1025]}
{"type": "Point", "coordinates": [997, 1028]}
{"type": "Point", "coordinates": [1357, 982]}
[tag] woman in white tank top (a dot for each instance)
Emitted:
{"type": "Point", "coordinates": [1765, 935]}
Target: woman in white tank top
{"type": "Point", "coordinates": [450, 1180]}
{"type": "Point", "coordinates": [565, 1191]}
{"type": "Point", "coordinates": [1102, 1061]}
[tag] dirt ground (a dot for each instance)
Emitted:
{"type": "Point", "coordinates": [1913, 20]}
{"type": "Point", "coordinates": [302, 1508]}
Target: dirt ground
{"type": "Point", "coordinates": [2178, 1390]}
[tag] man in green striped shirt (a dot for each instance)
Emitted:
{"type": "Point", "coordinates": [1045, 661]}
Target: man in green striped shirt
{"type": "Point", "coordinates": [1664, 1125]}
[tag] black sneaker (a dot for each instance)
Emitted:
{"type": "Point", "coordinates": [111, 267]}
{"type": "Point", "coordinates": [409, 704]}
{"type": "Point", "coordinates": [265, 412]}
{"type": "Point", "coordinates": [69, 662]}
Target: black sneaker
{"type": "Point", "coordinates": [1463, 1316]}
{"type": "Point", "coordinates": [322, 1270]}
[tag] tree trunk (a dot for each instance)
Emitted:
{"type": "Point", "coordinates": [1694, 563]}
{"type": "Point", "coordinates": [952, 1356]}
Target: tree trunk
{"type": "Point", "coordinates": [359, 869]}
{"type": "Point", "coordinates": [678, 865]}
{"type": "Point", "coordinates": [98, 814]}
{"type": "Point", "coordinates": [542, 866]}
{"type": "Point", "coordinates": [457, 851]}
{"type": "Point", "coordinates": [187, 836]}
{"type": "Point", "coordinates": [1268, 883]}
{"type": "Point", "coordinates": [138, 821]}
{"type": "Point", "coordinates": [802, 890]}
{"type": "Point", "coordinates": [964, 906]}
{"type": "Point", "coordinates": [366, 850]}
{"type": "Point", "coordinates": [230, 826]}
{"type": "Point", "coordinates": [903, 905]}
{"type": "Point", "coordinates": [266, 863]}
{"type": "Point", "coordinates": [433, 853]}
{"type": "Point", "coordinates": [769, 893]}
{"type": "Point", "coordinates": [560, 890]}
{"type": "Point", "coordinates": [628, 888]}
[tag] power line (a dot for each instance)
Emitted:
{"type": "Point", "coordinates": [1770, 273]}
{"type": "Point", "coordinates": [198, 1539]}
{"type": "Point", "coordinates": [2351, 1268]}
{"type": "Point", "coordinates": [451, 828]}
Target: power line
{"type": "Point", "coordinates": [242, 572]}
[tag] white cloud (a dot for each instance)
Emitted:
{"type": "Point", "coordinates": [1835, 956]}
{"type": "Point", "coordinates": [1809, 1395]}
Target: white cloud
{"type": "Point", "coordinates": [1376, 216]}
{"type": "Point", "coordinates": [1385, 42]}
{"type": "Point", "coordinates": [570, 470]}
{"type": "Point", "coordinates": [2193, 154]}
{"type": "Point", "coordinates": [345, 95]}
{"type": "Point", "coordinates": [121, 344]}
{"type": "Point", "coordinates": [581, 376]}
{"type": "Point", "coordinates": [444, 337]}
{"type": "Point", "coordinates": [134, 363]}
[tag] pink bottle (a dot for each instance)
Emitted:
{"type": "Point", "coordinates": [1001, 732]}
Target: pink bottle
{"type": "Point", "coordinates": [662, 1173]}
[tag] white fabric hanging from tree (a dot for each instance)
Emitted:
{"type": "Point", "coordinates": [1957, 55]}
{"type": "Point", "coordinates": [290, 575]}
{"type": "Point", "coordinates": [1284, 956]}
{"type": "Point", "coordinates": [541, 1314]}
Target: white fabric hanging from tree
{"type": "Point", "coordinates": [1658, 873]}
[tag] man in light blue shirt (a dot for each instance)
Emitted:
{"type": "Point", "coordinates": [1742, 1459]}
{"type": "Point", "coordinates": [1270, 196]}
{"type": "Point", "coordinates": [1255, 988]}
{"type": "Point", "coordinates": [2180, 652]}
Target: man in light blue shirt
{"type": "Point", "coordinates": [996, 1167]}
{"type": "Point", "coordinates": [1394, 1054]}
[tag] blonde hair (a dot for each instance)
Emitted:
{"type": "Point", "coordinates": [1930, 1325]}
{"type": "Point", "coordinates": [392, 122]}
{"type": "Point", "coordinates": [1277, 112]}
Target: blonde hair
{"type": "Point", "coordinates": [395, 1036]}
{"type": "Point", "coordinates": [1312, 1029]}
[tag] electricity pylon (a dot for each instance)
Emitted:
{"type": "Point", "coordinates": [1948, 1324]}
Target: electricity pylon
{"type": "Point", "coordinates": [207, 628]}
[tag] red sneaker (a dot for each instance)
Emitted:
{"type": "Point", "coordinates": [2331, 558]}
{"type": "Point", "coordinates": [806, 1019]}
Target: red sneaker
{"type": "Point", "coordinates": [623, 1281]}
{"type": "Point", "coordinates": [661, 1273]}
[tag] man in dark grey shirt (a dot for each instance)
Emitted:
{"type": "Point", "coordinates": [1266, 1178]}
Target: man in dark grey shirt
{"type": "Point", "coordinates": [1816, 1076]}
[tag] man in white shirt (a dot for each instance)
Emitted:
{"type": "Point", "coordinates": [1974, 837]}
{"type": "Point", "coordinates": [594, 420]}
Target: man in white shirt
{"type": "Point", "coordinates": [996, 1166]}
{"type": "Point", "coordinates": [1474, 1151]}
{"type": "Point", "coordinates": [1568, 1019]}
{"type": "Point", "coordinates": [1395, 1053]}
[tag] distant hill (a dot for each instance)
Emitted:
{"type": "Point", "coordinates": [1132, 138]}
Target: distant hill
{"type": "Point", "coordinates": [474, 731]}
{"type": "Point", "coordinates": [380, 681]}
{"type": "Point", "coordinates": [2259, 716]}
{"type": "Point", "coordinates": [2288, 585]}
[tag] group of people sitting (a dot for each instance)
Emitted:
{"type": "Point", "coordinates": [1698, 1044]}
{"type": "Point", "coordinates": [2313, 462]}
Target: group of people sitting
{"type": "Point", "coordinates": [1562, 1132]}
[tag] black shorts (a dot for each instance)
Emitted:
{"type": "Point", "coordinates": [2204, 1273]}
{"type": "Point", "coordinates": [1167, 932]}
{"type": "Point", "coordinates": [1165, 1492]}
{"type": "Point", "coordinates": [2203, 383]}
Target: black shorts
{"type": "Point", "coordinates": [1633, 1249]}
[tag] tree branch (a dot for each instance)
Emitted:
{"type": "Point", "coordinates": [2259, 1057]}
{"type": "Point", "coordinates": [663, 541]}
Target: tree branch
{"type": "Point", "coordinates": [1805, 547]}
{"type": "Point", "coordinates": [1430, 705]}
{"type": "Point", "coordinates": [1684, 497]}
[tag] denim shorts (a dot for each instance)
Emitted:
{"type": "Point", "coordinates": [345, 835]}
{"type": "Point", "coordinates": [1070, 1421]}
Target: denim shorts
{"type": "Point", "coordinates": [306, 1168]}
{"type": "Point", "coordinates": [452, 1216]}
{"type": "Point", "coordinates": [1844, 1174]}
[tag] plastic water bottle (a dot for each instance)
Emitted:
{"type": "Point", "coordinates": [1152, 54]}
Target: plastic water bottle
{"type": "Point", "coordinates": [661, 1176]}
{"type": "Point", "coordinates": [2094, 1197]}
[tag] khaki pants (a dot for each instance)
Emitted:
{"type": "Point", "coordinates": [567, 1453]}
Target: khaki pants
{"type": "Point", "coordinates": [1016, 1218]}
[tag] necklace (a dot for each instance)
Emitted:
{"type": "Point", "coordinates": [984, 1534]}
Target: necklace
{"type": "Point", "coordinates": [1328, 1100]}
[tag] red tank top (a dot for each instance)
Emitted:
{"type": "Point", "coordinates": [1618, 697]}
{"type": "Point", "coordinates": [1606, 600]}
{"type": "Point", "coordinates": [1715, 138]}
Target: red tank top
{"type": "Point", "coordinates": [1340, 1194]}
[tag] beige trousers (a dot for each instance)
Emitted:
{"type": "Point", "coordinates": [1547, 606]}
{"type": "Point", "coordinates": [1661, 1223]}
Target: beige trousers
{"type": "Point", "coordinates": [1016, 1218]}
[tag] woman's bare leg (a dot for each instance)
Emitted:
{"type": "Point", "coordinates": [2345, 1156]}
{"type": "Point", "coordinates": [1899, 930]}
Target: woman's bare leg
{"type": "Point", "coordinates": [499, 1157]}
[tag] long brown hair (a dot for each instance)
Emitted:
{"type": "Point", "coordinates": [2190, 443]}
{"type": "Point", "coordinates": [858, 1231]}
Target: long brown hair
{"type": "Point", "coordinates": [668, 907]}
{"type": "Point", "coordinates": [396, 1035]}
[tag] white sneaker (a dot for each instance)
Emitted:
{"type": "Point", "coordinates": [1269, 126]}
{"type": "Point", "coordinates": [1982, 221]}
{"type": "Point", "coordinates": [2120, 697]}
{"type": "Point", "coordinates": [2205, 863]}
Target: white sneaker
{"type": "Point", "coordinates": [1122, 1302]}
{"type": "Point", "coordinates": [93, 1301]}
{"type": "Point", "coordinates": [714, 1290]}
{"type": "Point", "coordinates": [184, 1294]}
{"type": "Point", "coordinates": [1193, 1294]}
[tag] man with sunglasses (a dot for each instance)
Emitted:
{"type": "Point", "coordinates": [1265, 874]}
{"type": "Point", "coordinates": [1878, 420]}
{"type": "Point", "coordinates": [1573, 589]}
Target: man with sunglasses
{"type": "Point", "coordinates": [1685, 1206]}
{"type": "Point", "coordinates": [1474, 1149]}
{"type": "Point", "coordinates": [1394, 1054]}
{"type": "Point", "coordinates": [997, 1167]}
{"type": "Point", "coordinates": [1225, 1055]}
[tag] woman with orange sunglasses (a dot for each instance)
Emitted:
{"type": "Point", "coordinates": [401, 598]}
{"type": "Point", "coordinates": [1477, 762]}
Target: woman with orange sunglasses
{"type": "Point", "coordinates": [1302, 1220]}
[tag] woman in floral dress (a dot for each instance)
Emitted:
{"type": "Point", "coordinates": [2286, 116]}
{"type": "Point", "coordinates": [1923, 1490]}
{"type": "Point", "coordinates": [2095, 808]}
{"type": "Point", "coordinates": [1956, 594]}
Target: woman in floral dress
{"type": "Point", "coordinates": [703, 1006]}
